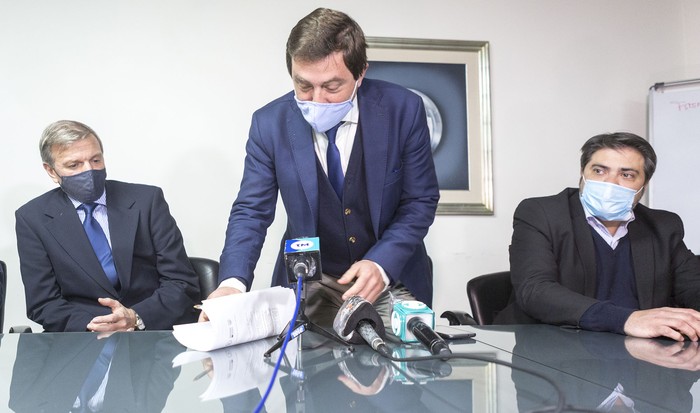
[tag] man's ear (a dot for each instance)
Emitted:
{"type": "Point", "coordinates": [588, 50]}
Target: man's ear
{"type": "Point", "coordinates": [52, 173]}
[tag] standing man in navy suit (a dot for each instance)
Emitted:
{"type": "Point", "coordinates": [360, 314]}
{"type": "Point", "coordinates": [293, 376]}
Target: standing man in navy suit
{"type": "Point", "coordinates": [371, 226]}
{"type": "Point", "coordinates": [67, 287]}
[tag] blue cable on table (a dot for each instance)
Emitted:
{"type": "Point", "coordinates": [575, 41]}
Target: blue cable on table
{"type": "Point", "coordinates": [287, 337]}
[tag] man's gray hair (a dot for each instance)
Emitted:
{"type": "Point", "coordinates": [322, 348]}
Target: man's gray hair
{"type": "Point", "coordinates": [63, 133]}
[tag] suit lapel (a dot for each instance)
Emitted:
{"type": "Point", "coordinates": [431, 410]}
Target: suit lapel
{"type": "Point", "coordinates": [301, 142]}
{"type": "Point", "coordinates": [123, 222]}
{"type": "Point", "coordinates": [643, 260]}
{"type": "Point", "coordinates": [584, 243]}
{"type": "Point", "coordinates": [65, 226]}
{"type": "Point", "coordinates": [375, 149]}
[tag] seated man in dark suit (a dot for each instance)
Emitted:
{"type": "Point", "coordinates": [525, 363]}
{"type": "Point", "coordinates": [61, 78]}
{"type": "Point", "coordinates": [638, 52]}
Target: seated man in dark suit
{"type": "Point", "coordinates": [593, 257]}
{"type": "Point", "coordinates": [100, 255]}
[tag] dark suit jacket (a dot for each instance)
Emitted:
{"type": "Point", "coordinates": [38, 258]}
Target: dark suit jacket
{"type": "Point", "coordinates": [553, 269]}
{"type": "Point", "coordinates": [50, 370]}
{"type": "Point", "coordinates": [63, 278]}
{"type": "Point", "coordinates": [402, 187]}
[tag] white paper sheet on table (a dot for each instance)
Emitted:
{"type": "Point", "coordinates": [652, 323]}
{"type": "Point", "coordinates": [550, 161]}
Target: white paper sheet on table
{"type": "Point", "coordinates": [239, 318]}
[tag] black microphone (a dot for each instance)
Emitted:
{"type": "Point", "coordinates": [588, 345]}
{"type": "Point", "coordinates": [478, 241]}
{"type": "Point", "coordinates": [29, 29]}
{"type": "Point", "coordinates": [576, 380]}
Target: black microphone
{"type": "Point", "coordinates": [358, 320]}
{"type": "Point", "coordinates": [426, 335]}
{"type": "Point", "coordinates": [302, 257]}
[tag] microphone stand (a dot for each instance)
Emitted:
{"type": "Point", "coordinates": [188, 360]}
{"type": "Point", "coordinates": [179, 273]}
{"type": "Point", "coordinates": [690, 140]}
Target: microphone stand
{"type": "Point", "coordinates": [302, 324]}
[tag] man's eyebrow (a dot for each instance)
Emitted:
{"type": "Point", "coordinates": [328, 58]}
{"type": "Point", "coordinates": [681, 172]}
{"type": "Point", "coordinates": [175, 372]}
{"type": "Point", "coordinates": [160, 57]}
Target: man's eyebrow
{"type": "Point", "coordinates": [301, 80]}
{"type": "Point", "coordinates": [598, 165]}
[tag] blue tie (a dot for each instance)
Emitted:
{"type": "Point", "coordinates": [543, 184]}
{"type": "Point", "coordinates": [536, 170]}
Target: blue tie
{"type": "Point", "coordinates": [335, 169]}
{"type": "Point", "coordinates": [99, 243]}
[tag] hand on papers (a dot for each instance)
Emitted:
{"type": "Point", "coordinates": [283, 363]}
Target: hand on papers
{"type": "Point", "coordinates": [121, 319]}
{"type": "Point", "coordinates": [239, 318]}
{"type": "Point", "coordinates": [674, 323]}
{"type": "Point", "coordinates": [685, 356]}
{"type": "Point", "coordinates": [219, 292]}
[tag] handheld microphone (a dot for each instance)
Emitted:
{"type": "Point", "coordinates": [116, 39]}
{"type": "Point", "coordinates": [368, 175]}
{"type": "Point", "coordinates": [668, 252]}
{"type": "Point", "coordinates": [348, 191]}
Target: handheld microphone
{"type": "Point", "coordinates": [302, 257]}
{"type": "Point", "coordinates": [357, 320]}
{"type": "Point", "coordinates": [428, 337]}
{"type": "Point", "coordinates": [413, 321]}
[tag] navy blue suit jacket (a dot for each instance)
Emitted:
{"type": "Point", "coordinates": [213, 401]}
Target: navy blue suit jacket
{"type": "Point", "coordinates": [402, 188]}
{"type": "Point", "coordinates": [63, 278]}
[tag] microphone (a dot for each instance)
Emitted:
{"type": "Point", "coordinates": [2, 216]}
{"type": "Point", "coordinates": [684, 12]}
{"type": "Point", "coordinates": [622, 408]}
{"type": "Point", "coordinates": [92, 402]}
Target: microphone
{"type": "Point", "coordinates": [413, 321]}
{"type": "Point", "coordinates": [428, 337]}
{"type": "Point", "coordinates": [357, 320]}
{"type": "Point", "coordinates": [302, 257]}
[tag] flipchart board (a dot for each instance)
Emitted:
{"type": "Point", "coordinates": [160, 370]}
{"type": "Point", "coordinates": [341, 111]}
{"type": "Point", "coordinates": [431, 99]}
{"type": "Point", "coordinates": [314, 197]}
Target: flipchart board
{"type": "Point", "coordinates": [674, 131]}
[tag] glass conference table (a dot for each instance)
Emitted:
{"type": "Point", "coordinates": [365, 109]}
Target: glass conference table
{"type": "Point", "coordinates": [503, 369]}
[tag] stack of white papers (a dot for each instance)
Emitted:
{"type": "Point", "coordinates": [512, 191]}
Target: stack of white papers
{"type": "Point", "coordinates": [239, 318]}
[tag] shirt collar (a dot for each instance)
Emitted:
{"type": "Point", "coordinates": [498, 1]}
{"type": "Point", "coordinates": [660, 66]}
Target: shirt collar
{"type": "Point", "coordinates": [102, 200]}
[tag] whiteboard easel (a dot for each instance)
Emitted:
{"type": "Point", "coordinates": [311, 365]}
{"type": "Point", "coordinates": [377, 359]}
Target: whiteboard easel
{"type": "Point", "coordinates": [674, 132]}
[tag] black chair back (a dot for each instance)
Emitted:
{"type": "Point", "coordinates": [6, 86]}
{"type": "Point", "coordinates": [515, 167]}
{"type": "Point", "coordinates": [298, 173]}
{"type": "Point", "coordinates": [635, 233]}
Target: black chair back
{"type": "Point", "coordinates": [208, 272]}
{"type": "Point", "coordinates": [488, 295]}
{"type": "Point", "coordinates": [3, 292]}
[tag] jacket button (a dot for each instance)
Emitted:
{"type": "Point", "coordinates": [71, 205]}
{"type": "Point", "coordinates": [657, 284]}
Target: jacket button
{"type": "Point", "coordinates": [352, 239]}
{"type": "Point", "coordinates": [348, 211]}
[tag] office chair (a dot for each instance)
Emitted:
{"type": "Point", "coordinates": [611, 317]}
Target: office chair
{"type": "Point", "coordinates": [208, 273]}
{"type": "Point", "coordinates": [3, 292]}
{"type": "Point", "coordinates": [489, 294]}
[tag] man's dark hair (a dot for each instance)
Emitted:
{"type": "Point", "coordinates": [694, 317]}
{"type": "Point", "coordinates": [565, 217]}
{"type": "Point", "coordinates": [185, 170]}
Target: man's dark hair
{"type": "Point", "coordinates": [617, 141]}
{"type": "Point", "coordinates": [323, 32]}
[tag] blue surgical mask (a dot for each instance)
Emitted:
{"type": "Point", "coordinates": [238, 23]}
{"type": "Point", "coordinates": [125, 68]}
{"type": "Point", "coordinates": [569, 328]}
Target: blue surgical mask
{"type": "Point", "coordinates": [323, 116]}
{"type": "Point", "coordinates": [607, 201]}
{"type": "Point", "coordinates": [86, 186]}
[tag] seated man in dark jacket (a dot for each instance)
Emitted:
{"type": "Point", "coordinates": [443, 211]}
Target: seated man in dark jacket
{"type": "Point", "coordinates": [100, 255]}
{"type": "Point", "coordinates": [593, 257]}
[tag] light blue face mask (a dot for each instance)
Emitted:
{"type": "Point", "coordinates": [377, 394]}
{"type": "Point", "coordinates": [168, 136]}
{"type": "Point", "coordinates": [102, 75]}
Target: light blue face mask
{"type": "Point", "coordinates": [607, 201]}
{"type": "Point", "coordinates": [323, 116]}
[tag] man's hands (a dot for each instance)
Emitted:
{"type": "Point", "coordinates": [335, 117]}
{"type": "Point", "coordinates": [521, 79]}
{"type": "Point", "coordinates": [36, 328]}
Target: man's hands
{"type": "Point", "coordinates": [674, 323]}
{"type": "Point", "coordinates": [369, 283]}
{"type": "Point", "coordinates": [121, 319]}
{"type": "Point", "coordinates": [219, 292]}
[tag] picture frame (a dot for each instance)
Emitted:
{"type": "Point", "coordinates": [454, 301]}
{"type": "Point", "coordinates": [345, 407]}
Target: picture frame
{"type": "Point", "coordinates": [452, 77]}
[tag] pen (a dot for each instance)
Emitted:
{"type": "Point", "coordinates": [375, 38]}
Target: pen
{"type": "Point", "coordinates": [202, 374]}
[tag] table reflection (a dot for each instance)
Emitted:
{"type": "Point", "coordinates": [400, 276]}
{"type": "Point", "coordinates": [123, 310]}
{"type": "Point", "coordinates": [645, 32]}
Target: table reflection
{"type": "Point", "coordinates": [325, 377]}
{"type": "Point", "coordinates": [632, 375]}
{"type": "Point", "coordinates": [50, 372]}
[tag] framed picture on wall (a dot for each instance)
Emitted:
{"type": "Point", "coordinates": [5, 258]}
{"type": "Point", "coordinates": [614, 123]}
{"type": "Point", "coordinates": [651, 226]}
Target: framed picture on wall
{"type": "Point", "coordinates": [452, 77]}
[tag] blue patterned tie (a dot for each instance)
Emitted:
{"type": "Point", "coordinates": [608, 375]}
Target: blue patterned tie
{"type": "Point", "coordinates": [99, 243]}
{"type": "Point", "coordinates": [335, 169]}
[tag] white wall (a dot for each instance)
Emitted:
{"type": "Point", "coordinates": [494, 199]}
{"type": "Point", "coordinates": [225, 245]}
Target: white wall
{"type": "Point", "coordinates": [170, 87]}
